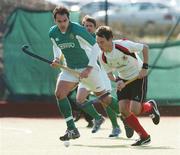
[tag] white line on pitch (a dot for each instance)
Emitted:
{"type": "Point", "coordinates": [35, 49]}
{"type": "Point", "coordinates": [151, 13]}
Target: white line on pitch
{"type": "Point", "coordinates": [27, 131]}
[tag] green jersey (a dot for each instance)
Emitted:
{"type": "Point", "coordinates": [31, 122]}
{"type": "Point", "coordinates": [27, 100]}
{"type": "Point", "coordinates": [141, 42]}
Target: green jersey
{"type": "Point", "coordinates": [94, 35]}
{"type": "Point", "coordinates": [76, 44]}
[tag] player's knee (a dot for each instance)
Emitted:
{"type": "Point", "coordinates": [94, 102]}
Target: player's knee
{"type": "Point", "coordinates": [136, 108]}
{"type": "Point", "coordinates": [80, 100]}
{"type": "Point", "coordinates": [136, 111]}
{"type": "Point", "coordinates": [106, 101]}
{"type": "Point", "coordinates": [59, 95]}
{"type": "Point", "coordinates": [80, 105]}
{"type": "Point", "coordinates": [123, 109]}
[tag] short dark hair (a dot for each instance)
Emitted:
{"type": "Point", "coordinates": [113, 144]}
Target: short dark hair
{"type": "Point", "coordinates": [89, 19]}
{"type": "Point", "coordinates": [60, 10]}
{"type": "Point", "coordinates": [104, 32]}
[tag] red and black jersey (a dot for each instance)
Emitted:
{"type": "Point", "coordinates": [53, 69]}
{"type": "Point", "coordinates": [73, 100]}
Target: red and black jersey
{"type": "Point", "coordinates": [123, 59]}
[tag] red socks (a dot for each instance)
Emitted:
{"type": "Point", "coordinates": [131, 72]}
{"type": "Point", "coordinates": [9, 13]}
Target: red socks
{"type": "Point", "coordinates": [133, 122]}
{"type": "Point", "coordinates": [146, 108]}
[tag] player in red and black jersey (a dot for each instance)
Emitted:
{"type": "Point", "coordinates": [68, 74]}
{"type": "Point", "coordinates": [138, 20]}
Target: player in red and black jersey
{"type": "Point", "coordinates": [122, 56]}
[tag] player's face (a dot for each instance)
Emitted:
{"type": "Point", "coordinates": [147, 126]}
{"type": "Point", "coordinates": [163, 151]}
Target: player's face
{"type": "Point", "coordinates": [89, 26]}
{"type": "Point", "coordinates": [104, 44]}
{"type": "Point", "coordinates": [62, 22]}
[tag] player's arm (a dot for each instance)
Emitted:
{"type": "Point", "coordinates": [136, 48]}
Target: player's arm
{"type": "Point", "coordinates": [57, 54]}
{"type": "Point", "coordinates": [56, 50]}
{"type": "Point", "coordinates": [119, 82]}
{"type": "Point", "coordinates": [144, 70]}
{"type": "Point", "coordinates": [145, 54]}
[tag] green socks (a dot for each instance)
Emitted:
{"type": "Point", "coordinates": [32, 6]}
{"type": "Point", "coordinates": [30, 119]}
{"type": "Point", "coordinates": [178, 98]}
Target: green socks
{"type": "Point", "coordinates": [88, 107]}
{"type": "Point", "coordinates": [114, 105]}
{"type": "Point", "coordinates": [65, 108]}
{"type": "Point", "coordinates": [112, 116]}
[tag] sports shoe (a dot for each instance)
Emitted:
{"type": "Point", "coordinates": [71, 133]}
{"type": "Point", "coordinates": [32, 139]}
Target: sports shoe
{"type": "Point", "coordinates": [90, 124]}
{"type": "Point", "coordinates": [155, 115]}
{"type": "Point", "coordinates": [97, 124]}
{"type": "Point", "coordinates": [129, 131]}
{"type": "Point", "coordinates": [142, 141]}
{"type": "Point", "coordinates": [115, 132]}
{"type": "Point", "coordinates": [70, 134]}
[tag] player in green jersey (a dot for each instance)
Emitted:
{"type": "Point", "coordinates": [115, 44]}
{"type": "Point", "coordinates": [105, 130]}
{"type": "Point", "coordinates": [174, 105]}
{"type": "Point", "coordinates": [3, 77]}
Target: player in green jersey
{"type": "Point", "coordinates": [80, 52]}
{"type": "Point", "coordinates": [79, 49]}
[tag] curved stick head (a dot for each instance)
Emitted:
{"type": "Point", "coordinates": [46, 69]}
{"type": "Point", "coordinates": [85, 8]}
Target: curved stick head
{"type": "Point", "coordinates": [24, 47]}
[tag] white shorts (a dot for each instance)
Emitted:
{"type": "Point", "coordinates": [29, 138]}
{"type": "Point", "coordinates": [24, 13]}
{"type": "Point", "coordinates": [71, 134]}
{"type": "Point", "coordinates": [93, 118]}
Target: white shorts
{"type": "Point", "coordinates": [94, 82]}
{"type": "Point", "coordinates": [105, 80]}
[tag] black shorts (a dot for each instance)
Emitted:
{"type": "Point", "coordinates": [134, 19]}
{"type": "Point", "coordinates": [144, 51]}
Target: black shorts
{"type": "Point", "coordinates": [136, 91]}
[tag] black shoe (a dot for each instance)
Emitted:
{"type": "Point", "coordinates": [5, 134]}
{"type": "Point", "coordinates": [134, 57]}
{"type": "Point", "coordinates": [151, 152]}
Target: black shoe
{"type": "Point", "coordinates": [90, 124]}
{"type": "Point", "coordinates": [97, 124]}
{"type": "Point", "coordinates": [142, 141]}
{"type": "Point", "coordinates": [70, 134]}
{"type": "Point", "coordinates": [129, 131]}
{"type": "Point", "coordinates": [155, 112]}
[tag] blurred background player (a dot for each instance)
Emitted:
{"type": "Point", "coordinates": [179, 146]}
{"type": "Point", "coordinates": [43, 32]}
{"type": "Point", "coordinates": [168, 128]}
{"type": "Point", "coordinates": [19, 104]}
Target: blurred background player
{"type": "Point", "coordinates": [121, 56]}
{"type": "Point", "coordinates": [90, 24]}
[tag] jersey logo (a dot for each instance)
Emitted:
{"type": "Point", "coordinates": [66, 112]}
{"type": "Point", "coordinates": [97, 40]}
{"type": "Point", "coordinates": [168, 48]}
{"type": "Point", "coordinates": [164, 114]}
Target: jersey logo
{"type": "Point", "coordinates": [66, 45]}
{"type": "Point", "coordinates": [136, 98]}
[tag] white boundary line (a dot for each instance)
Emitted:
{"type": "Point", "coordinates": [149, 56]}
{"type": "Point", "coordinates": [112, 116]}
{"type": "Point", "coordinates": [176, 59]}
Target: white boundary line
{"type": "Point", "coordinates": [27, 131]}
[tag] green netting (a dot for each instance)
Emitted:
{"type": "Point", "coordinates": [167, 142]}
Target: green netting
{"type": "Point", "coordinates": [164, 81]}
{"type": "Point", "coordinates": [25, 75]}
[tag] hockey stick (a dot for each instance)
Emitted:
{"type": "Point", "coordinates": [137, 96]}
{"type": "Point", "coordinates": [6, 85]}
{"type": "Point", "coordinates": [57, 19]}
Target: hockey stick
{"type": "Point", "coordinates": [129, 81]}
{"type": "Point", "coordinates": [94, 101]}
{"type": "Point", "coordinates": [25, 50]}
